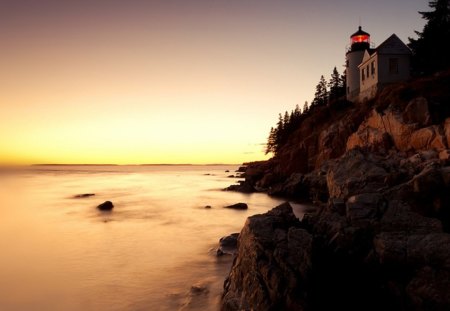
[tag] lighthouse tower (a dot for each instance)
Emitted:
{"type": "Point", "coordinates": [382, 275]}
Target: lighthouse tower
{"type": "Point", "coordinates": [359, 43]}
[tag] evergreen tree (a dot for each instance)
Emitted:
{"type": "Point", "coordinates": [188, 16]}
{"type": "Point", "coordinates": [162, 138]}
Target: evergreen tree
{"type": "Point", "coordinates": [321, 95]}
{"type": "Point", "coordinates": [431, 49]}
{"type": "Point", "coordinates": [305, 107]}
{"type": "Point", "coordinates": [335, 84]}
{"type": "Point", "coordinates": [343, 83]}
{"type": "Point", "coordinates": [297, 111]}
{"type": "Point", "coordinates": [270, 147]}
{"type": "Point", "coordinates": [286, 119]}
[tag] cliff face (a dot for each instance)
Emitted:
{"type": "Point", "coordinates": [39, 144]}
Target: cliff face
{"type": "Point", "coordinates": [379, 240]}
{"type": "Point", "coordinates": [406, 119]}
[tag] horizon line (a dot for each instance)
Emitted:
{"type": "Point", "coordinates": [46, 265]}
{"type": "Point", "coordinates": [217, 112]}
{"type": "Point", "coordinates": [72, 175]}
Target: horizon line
{"type": "Point", "coordinates": [145, 164]}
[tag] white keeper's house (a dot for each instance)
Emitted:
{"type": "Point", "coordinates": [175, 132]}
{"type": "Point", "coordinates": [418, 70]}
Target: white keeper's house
{"type": "Point", "coordinates": [369, 69]}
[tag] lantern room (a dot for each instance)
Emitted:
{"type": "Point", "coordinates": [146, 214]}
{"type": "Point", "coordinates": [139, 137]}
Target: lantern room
{"type": "Point", "coordinates": [360, 40]}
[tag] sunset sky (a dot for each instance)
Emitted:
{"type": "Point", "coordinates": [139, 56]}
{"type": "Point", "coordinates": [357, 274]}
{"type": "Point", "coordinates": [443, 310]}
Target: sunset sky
{"type": "Point", "coordinates": [169, 81]}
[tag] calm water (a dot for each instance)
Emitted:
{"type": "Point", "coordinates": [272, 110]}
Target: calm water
{"type": "Point", "coordinates": [60, 253]}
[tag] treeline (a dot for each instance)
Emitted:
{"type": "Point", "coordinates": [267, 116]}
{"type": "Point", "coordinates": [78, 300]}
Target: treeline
{"type": "Point", "coordinates": [431, 49]}
{"type": "Point", "coordinates": [287, 123]}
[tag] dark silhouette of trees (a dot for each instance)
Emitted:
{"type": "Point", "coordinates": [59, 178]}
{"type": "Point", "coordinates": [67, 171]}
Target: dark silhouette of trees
{"type": "Point", "coordinates": [321, 95]}
{"type": "Point", "coordinates": [431, 49]}
{"type": "Point", "coordinates": [290, 121]}
{"type": "Point", "coordinates": [336, 85]}
{"type": "Point", "coordinates": [305, 107]}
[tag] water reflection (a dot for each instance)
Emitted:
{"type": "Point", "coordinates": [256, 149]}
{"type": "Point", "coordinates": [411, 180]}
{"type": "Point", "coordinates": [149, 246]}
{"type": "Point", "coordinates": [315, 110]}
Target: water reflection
{"type": "Point", "coordinates": [61, 253]}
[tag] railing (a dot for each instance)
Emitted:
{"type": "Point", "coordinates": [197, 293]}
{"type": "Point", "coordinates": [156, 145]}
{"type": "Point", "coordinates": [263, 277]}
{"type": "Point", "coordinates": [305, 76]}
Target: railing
{"type": "Point", "coordinates": [348, 47]}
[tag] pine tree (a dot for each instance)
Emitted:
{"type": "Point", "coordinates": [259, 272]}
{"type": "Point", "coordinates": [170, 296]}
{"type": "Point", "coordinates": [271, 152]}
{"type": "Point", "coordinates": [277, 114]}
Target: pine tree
{"type": "Point", "coordinates": [270, 146]}
{"type": "Point", "coordinates": [431, 49]}
{"type": "Point", "coordinates": [286, 120]}
{"type": "Point", "coordinates": [305, 107]}
{"type": "Point", "coordinates": [334, 84]}
{"type": "Point", "coordinates": [297, 111]}
{"type": "Point", "coordinates": [321, 95]}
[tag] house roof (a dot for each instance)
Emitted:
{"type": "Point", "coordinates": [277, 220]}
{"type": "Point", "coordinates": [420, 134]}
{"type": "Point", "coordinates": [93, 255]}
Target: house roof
{"type": "Point", "coordinates": [393, 45]}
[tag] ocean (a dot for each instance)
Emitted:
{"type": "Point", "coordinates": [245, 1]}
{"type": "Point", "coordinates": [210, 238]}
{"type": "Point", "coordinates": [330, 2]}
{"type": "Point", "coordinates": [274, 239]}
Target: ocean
{"type": "Point", "coordinates": [61, 253]}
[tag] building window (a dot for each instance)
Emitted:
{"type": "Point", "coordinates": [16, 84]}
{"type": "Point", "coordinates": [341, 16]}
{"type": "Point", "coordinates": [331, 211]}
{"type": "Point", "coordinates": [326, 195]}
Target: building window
{"type": "Point", "coordinates": [393, 65]}
{"type": "Point", "coordinates": [367, 71]}
{"type": "Point", "coordinates": [363, 76]}
{"type": "Point", "coordinates": [373, 68]}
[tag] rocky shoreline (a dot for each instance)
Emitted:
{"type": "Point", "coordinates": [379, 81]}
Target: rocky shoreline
{"type": "Point", "coordinates": [379, 240]}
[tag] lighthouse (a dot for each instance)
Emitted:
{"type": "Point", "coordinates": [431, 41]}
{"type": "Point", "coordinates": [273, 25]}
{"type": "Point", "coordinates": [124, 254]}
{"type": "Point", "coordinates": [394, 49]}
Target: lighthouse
{"type": "Point", "coordinates": [359, 44]}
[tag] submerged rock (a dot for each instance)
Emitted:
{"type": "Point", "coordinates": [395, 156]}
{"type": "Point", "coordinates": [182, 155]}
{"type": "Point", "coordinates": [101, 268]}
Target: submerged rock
{"type": "Point", "coordinates": [239, 206]}
{"type": "Point", "coordinates": [83, 195]}
{"type": "Point", "coordinates": [106, 206]}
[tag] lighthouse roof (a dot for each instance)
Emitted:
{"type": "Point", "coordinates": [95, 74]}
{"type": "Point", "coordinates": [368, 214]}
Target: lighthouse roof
{"type": "Point", "coordinates": [360, 32]}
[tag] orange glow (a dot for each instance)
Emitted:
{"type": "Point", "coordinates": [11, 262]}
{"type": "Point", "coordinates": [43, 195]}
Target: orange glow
{"type": "Point", "coordinates": [162, 81]}
{"type": "Point", "coordinates": [361, 39]}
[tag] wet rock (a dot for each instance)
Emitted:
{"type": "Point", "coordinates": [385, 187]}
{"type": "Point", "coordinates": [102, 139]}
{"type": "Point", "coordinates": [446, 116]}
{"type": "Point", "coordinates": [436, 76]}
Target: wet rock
{"type": "Point", "coordinates": [273, 264]}
{"type": "Point", "coordinates": [242, 169]}
{"type": "Point", "coordinates": [230, 176]}
{"type": "Point", "coordinates": [238, 206]}
{"type": "Point", "coordinates": [106, 206]}
{"type": "Point", "coordinates": [199, 289]}
{"type": "Point", "coordinates": [227, 171]}
{"type": "Point", "coordinates": [208, 206]}
{"type": "Point", "coordinates": [84, 195]}
{"type": "Point", "coordinates": [228, 244]}
{"type": "Point", "coordinates": [244, 187]}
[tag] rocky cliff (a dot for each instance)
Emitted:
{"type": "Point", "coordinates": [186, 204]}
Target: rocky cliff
{"type": "Point", "coordinates": [379, 173]}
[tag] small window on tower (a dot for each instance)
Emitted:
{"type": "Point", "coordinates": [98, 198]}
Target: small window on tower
{"type": "Point", "coordinates": [393, 65]}
{"type": "Point", "coordinates": [363, 76]}
{"type": "Point", "coordinates": [373, 68]}
{"type": "Point", "coordinates": [367, 71]}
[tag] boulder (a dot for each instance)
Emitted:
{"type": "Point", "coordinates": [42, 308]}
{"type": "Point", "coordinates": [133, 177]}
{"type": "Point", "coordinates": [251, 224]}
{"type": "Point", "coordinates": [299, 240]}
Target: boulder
{"type": "Point", "coordinates": [363, 207]}
{"type": "Point", "coordinates": [228, 244]}
{"type": "Point", "coordinates": [399, 217]}
{"type": "Point", "coordinates": [355, 173]}
{"type": "Point", "coordinates": [272, 266]}
{"type": "Point", "coordinates": [106, 206]}
{"type": "Point", "coordinates": [239, 206]}
{"type": "Point", "coordinates": [428, 138]}
{"type": "Point", "coordinates": [372, 132]}
{"type": "Point", "coordinates": [417, 112]}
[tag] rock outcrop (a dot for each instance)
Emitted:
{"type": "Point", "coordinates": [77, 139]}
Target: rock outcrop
{"type": "Point", "coordinates": [373, 254]}
{"type": "Point", "coordinates": [239, 206]}
{"type": "Point", "coordinates": [106, 206]}
{"type": "Point", "coordinates": [272, 266]}
{"type": "Point", "coordinates": [379, 173]}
